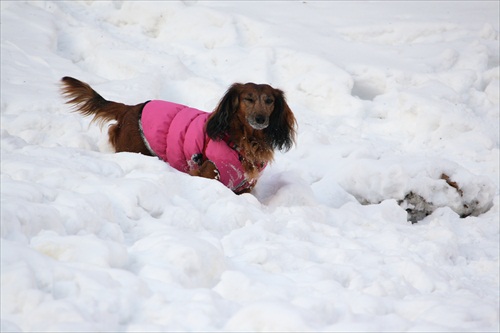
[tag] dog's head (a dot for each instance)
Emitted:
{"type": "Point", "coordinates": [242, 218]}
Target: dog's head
{"type": "Point", "coordinates": [260, 108]}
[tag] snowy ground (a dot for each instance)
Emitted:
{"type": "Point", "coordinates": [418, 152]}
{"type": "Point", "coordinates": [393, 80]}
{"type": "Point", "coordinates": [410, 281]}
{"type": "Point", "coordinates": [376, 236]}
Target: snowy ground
{"type": "Point", "coordinates": [389, 97]}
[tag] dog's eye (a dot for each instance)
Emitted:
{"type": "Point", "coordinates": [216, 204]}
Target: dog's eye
{"type": "Point", "coordinates": [269, 101]}
{"type": "Point", "coordinates": [248, 99]}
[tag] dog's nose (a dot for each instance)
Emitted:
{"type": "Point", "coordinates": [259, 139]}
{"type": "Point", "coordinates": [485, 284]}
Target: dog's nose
{"type": "Point", "coordinates": [260, 119]}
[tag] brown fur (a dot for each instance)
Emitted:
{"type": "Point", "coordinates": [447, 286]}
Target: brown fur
{"type": "Point", "coordinates": [254, 117]}
{"type": "Point", "coordinates": [124, 134]}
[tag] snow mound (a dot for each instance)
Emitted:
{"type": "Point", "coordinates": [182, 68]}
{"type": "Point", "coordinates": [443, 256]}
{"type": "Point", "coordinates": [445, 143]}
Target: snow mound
{"type": "Point", "coordinates": [420, 187]}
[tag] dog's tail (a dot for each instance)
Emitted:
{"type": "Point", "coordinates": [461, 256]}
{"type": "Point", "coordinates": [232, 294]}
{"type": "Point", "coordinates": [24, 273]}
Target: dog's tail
{"type": "Point", "coordinates": [88, 102]}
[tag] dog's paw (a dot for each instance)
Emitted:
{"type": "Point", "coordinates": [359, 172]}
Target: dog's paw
{"type": "Point", "coordinates": [217, 175]}
{"type": "Point", "coordinates": [209, 170]}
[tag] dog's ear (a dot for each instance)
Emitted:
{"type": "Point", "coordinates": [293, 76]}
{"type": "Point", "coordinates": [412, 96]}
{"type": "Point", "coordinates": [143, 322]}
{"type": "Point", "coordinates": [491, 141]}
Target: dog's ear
{"type": "Point", "coordinates": [219, 121]}
{"type": "Point", "coordinates": [281, 130]}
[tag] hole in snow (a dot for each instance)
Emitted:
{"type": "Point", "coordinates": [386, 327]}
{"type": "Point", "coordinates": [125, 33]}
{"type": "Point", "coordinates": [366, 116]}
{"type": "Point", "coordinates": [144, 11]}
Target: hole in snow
{"type": "Point", "coordinates": [367, 89]}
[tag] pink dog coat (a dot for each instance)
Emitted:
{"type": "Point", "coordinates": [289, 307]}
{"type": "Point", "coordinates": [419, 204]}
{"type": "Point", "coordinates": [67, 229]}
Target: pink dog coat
{"type": "Point", "coordinates": [176, 134]}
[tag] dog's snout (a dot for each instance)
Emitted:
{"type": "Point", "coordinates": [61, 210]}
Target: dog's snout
{"type": "Point", "coordinates": [260, 119]}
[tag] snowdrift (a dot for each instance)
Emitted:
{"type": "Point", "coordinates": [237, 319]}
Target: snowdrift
{"type": "Point", "coordinates": [398, 112]}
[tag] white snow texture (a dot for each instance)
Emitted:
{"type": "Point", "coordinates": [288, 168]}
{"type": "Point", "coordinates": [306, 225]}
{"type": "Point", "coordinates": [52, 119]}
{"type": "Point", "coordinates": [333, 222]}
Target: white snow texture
{"type": "Point", "coordinates": [398, 111]}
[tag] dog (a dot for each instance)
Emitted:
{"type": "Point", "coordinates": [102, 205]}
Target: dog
{"type": "Point", "coordinates": [233, 144]}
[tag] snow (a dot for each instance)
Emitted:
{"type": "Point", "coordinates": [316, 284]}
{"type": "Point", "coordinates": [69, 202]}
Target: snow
{"type": "Point", "coordinates": [391, 98]}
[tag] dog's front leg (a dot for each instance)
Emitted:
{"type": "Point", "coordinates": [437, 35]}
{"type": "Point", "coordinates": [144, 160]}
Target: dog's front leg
{"type": "Point", "coordinates": [206, 170]}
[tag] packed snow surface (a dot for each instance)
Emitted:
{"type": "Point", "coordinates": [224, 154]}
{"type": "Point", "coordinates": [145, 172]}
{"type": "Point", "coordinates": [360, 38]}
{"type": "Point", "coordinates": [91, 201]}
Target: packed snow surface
{"type": "Point", "coordinates": [398, 112]}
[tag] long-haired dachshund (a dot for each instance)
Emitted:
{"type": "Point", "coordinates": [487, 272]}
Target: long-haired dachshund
{"type": "Point", "coordinates": [233, 144]}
